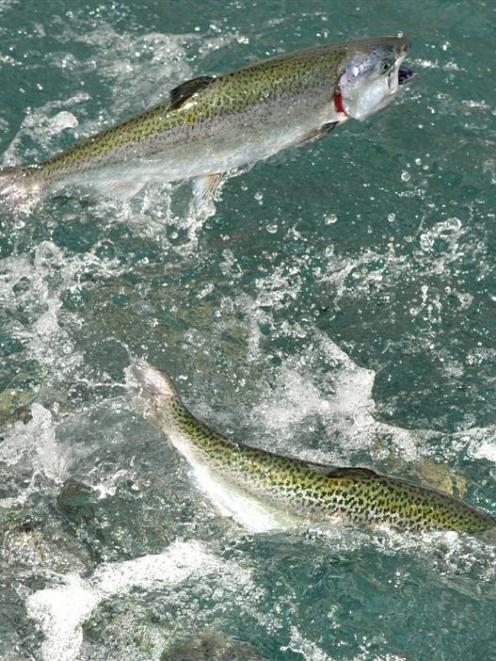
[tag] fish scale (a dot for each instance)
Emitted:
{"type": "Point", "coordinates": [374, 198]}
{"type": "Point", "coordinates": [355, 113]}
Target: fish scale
{"type": "Point", "coordinates": [311, 493]}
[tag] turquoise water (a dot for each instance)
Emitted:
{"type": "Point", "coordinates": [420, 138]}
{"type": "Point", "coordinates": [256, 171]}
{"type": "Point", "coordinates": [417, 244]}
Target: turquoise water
{"type": "Point", "coordinates": [340, 306]}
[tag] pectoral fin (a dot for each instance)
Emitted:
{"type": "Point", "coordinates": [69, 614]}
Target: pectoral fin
{"type": "Point", "coordinates": [206, 188]}
{"type": "Point", "coordinates": [205, 192]}
{"type": "Point", "coordinates": [317, 134]}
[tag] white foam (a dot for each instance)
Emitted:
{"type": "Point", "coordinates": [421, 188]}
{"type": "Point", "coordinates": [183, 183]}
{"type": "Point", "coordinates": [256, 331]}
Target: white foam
{"type": "Point", "coordinates": [62, 611]}
{"type": "Point", "coordinates": [47, 274]}
{"type": "Point", "coordinates": [296, 399]}
{"type": "Point", "coordinates": [300, 645]}
{"type": "Point", "coordinates": [41, 127]}
{"type": "Point", "coordinates": [482, 448]}
{"type": "Point", "coordinates": [36, 285]}
{"type": "Point", "coordinates": [346, 407]}
{"type": "Point", "coordinates": [35, 445]}
{"type": "Point", "coordinates": [174, 565]}
{"type": "Point", "coordinates": [63, 120]}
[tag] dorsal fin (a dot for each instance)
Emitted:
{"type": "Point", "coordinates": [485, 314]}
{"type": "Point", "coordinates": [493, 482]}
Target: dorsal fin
{"type": "Point", "coordinates": [342, 471]}
{"type": "Point", "coordinates": [186, 90]}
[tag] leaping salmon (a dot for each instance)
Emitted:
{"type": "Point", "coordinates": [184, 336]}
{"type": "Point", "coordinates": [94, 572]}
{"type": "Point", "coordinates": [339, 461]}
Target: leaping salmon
{"type": "Point", "coordinates": [210, 127]}
{"type": "Point", "coordinates": [264, 491]}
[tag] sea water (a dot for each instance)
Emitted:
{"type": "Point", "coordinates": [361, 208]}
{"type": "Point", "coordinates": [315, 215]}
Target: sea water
{"type": "Point", "coordinates": [339, 306]}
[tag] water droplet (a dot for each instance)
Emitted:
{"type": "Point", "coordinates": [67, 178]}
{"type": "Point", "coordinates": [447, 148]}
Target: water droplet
{"type": "Point", "coordinates": [391, 217]}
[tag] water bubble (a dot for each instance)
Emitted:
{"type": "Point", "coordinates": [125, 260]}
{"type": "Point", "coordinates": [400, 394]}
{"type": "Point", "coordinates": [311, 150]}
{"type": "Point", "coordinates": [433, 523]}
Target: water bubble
{"type": "Point", "coordinates": [405, 176]}
{"type": "Point", "coordinates": [330, 219]}
{"type": "Point", "coordinates": [391, 217]}
{"type": "Point", "coordinates": [259, 197]}
{"type": "Point", "coordinates": [454, 224]}
{"type": "Point", "coordinates": [271, 228]}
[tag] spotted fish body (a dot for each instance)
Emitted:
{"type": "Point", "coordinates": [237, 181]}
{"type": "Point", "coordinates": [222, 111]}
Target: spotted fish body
{"type": "Point", "coordinates": [212, 126]}
{"type": "Point", "coordinates": [284, 491]}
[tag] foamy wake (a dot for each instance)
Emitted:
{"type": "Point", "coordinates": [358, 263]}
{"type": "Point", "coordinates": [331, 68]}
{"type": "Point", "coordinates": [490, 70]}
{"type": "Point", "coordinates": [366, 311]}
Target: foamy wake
{"type": "Point", "coordinates": [61, 611]}
{"type": "Point", "coordinates": [344, 402]}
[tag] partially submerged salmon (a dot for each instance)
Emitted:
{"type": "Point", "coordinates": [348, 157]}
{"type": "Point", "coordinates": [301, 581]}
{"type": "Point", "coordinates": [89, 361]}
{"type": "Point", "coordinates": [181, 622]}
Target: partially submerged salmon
{"type": "Point", "coordinates": [263, 490]}
{"type": "Point", "coordinates": [210, 127]}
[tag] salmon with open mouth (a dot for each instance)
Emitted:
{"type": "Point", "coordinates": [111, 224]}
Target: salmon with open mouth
{"type": "Point", "coordinates": [211, 127]}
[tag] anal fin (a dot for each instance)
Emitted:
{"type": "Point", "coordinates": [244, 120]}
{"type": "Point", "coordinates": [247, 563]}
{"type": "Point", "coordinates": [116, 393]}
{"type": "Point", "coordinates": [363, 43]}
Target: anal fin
{"type": "Point", "coordinates": [207, 187]}
{"type": "Point", "coordinates": [121, 189]}
{"type": "Point", "coordinates": [205, 193]}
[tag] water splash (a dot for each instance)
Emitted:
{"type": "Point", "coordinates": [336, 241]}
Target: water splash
{"type": "Point", "coordinates": [61, 611]}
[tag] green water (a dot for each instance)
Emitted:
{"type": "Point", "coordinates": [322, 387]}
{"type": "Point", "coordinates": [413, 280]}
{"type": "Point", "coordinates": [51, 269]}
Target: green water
{"type": "Point", "coordinates": [340, 305]}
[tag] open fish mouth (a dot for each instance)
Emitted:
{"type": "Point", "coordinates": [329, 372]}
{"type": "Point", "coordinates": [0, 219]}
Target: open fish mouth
{"type": "Point", "coordinates": [405, 76]}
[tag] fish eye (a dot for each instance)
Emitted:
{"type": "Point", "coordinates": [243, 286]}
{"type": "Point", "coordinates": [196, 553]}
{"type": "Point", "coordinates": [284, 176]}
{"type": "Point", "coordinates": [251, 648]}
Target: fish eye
{"type": "Point", "coordinates": [386, 65]}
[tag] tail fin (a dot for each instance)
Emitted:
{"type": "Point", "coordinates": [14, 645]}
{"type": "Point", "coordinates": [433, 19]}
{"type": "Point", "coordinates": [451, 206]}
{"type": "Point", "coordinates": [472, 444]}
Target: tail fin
{"type": "Point", "coordinates": [152, 388]}
{"type": "Point", "coordinates": [18, 190]}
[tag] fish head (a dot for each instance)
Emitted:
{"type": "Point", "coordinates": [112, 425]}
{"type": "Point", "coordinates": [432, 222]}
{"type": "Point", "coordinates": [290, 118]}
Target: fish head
{"type": "Point", "coordinates": [372, 75]}
{"type": "Point", "coordinates": [152, 390]}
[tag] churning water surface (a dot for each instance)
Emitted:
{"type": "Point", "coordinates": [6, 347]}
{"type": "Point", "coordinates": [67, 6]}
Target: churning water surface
{"type": "Point", "coordinates": [340, 306]}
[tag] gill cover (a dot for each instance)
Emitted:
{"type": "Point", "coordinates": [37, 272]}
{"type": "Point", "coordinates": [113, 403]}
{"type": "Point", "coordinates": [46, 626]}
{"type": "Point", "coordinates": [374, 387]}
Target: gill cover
{"type": "Point", "coordinates": [371, 76]}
